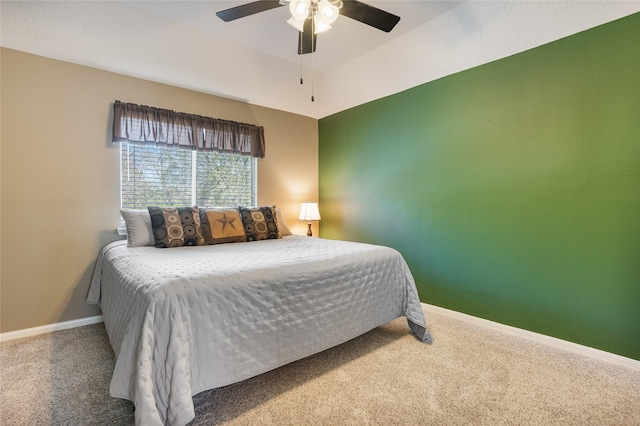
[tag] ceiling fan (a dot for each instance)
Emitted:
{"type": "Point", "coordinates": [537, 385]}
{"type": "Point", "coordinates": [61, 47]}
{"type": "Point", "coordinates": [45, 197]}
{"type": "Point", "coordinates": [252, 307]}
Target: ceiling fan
{"type": "Point", "coordinates": [311, 17]}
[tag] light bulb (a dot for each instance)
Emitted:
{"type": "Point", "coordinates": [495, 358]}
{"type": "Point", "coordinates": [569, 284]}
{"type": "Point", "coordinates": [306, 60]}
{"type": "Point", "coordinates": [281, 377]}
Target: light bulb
{"type": "Point", "coordinates": [328, 12]}
{"type": "Point", "coordinates": [299, 9]}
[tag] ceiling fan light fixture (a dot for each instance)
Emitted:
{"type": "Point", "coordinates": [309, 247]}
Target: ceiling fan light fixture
{"type": "Point", "coordinates": [323, 12]}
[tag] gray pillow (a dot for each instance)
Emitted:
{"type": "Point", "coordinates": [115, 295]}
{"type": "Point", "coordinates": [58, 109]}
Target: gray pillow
{"type": "Point", "coordinates": [139, 230]}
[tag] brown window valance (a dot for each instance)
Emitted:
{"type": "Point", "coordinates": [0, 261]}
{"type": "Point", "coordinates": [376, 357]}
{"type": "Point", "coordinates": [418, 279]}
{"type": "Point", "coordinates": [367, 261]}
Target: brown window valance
{"type": "Point", "coordinates": [139, 123]}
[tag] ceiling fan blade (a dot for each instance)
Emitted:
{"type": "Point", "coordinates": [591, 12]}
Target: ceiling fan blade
{"type": "Point", "coordinates": [369, 15]}
{"type": "Point", "coordinates": [307, 40]}
{"type": "Point", "coordinates": [247, 9]}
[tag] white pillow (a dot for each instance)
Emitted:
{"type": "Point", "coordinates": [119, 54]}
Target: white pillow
{"type": "Point", "coordinates": [282, 227]}
{"type": "Point", "coordinates": [139, 230]}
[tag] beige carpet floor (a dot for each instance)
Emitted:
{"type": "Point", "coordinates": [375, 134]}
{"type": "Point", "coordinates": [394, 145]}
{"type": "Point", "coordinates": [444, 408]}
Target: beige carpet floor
{"type": "Point", "coordinates": [470, 375]}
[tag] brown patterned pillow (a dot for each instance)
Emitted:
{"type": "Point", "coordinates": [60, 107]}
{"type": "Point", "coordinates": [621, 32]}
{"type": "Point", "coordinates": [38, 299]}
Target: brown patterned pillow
{"type": "Point", "coordinates": [176, 227]}
{"type": "Point", "coordinates": [222, 225]}
{"type": "Point", "coordinates": [260, 223]}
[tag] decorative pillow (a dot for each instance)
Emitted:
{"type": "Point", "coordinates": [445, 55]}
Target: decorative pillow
{"type": "Point", "coordinates": [260, 223]}
{"type": "Point", "coordinates": [139, 230]}
{"type": "Point", "coordinates": [282, 226]}
{"type": "Point", "coordinates": [176, 227]}
{"type": "Point", "coordinates": [222, 225]}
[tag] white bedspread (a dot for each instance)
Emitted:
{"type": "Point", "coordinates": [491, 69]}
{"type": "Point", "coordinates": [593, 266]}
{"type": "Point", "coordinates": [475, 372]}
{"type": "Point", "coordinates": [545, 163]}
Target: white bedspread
{"type": "Point", "coordinates": [184, 320]}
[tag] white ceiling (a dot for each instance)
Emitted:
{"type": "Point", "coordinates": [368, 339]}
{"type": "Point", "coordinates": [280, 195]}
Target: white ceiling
{"type": "Point", "coordinates": [254, 59]}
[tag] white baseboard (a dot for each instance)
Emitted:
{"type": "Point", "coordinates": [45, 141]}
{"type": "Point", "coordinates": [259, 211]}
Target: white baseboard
{"type": "Point", "coordinates": [538, 338]}
{"type": "Point", "coordinates": [49, 328]}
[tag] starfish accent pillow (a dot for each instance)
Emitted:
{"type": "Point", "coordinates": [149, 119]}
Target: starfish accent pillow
{"type": "Point", "coordinates": [222, 225]}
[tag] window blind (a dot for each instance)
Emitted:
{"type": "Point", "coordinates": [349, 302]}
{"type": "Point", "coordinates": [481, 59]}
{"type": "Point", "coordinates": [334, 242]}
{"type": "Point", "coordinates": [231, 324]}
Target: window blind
{"type": "Point", "coordinates": [159, 176]}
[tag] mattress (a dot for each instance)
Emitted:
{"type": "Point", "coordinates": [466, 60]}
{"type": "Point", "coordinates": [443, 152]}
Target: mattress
{"type": "Point", "coordinates": [184, 320]}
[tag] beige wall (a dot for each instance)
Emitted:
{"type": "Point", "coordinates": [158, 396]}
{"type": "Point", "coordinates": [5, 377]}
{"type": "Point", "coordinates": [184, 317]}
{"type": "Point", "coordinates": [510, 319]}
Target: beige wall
{"type": "Point", "coordinates": [60, 175]}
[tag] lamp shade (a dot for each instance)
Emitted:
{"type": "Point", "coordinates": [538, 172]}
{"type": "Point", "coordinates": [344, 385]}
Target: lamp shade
{"type": "Point", "coordinates": [319, 25]}
{"type": "Point", "coordinates": [309, 212]}
{"type": "Point", "coordinates": [298, 24]}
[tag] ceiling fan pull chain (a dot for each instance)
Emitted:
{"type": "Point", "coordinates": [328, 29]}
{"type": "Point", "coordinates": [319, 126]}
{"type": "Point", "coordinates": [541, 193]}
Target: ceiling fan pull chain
{"type": "Point", "coordinates": [300, 42]}
{"type": "Point", "coordinates": [313, 52]}
{"type": "Point", "coordinates": [312, 79]}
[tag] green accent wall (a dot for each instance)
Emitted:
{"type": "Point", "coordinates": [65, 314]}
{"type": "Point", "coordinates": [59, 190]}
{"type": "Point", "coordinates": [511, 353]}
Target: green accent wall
{"type": "Point", "coordinates": [512, 189]}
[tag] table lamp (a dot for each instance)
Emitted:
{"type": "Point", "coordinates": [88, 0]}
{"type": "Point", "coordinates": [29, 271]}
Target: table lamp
{"type": "Point", "coordinates": [309, 212]}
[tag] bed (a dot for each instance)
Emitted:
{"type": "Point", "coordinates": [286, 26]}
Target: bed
{"type": "Point", "coordinates": [187, 319]}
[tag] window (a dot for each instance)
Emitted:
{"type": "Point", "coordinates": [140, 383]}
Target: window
{"type": "Point", "coordinates": [171, 158]}
{"type": "Point", "coordinates": [163, 176]}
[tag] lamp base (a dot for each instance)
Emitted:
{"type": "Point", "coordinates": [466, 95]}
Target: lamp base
{"type": "Point", "coordinates": [309, 231]}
